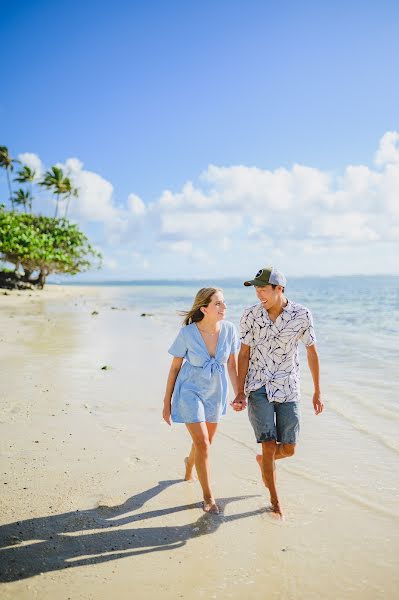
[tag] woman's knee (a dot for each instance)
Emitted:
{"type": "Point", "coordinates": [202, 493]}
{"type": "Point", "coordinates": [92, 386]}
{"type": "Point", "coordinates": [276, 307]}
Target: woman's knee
{"type": "Point", "coordinates": [202, 445]}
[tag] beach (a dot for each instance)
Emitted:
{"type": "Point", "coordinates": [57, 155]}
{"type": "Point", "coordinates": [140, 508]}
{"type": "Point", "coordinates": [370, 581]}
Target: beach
{"type": "Point", "coordinates": [93, 503]}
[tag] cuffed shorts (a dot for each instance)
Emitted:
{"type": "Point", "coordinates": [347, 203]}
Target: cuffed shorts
{"type": "Point", "coordinates": [277, 421]}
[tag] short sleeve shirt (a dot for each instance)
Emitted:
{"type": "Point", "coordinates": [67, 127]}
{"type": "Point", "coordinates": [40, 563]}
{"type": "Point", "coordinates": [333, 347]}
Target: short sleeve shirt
{"type": "Point", "coordinates": [273, 346]}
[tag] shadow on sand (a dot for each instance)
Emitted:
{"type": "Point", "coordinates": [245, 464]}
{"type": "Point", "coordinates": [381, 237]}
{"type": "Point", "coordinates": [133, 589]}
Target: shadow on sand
{"type": "Point", "coordinates": [56, 542]}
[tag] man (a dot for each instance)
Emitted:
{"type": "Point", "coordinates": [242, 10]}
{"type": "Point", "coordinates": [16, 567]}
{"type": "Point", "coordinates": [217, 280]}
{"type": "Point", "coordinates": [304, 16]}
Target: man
{"type": "Point", "coordinates": [268, 371]}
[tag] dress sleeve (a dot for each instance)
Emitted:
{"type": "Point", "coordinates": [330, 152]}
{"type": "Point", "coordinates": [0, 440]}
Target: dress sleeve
{"type": "Point", "coordinates": [246, 333]}
{"type": "Point", "coordinates": [308, 335]}
{"type": "Point", "coordinates": [179, 346]}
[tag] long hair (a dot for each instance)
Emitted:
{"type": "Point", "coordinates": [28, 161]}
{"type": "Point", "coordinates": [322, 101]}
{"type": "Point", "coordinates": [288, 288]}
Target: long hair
{"type": "Point", "coordinates": [202, 298]}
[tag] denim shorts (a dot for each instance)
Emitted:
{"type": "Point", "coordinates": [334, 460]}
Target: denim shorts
{"type": "Point", "coordinates": [277, 421]}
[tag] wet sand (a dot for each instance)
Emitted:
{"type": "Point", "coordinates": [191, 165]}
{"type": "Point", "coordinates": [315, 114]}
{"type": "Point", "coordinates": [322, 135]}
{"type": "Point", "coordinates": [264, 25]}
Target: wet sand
{"type": "Point", "coordinates": [93, 503]}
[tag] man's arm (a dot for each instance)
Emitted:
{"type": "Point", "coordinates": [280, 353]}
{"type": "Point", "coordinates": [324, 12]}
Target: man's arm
{"type": "Point", "coordinates": [314, 366]}
{"type": "Point", "coordinates": [240, 401]}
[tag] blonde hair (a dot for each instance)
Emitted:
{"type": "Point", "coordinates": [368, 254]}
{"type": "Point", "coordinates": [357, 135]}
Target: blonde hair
{"type": "Point", "coordinates": [202, 298]}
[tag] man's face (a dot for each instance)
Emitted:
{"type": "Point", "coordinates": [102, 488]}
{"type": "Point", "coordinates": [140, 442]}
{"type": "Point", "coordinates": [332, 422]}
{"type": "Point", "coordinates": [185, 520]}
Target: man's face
{"type": "Point", "coordinates": [267, 295]}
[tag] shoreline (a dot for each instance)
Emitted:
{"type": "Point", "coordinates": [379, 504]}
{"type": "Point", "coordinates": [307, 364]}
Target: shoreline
{"type": "Point", "coordinates": [92, 477]}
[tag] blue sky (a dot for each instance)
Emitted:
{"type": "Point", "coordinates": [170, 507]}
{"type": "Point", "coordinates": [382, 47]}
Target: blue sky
{"type": "Point", "coordinates": [212, 138]}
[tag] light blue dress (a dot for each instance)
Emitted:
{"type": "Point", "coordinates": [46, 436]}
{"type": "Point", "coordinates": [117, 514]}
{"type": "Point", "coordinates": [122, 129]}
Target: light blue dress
{"type": "Point", "coordinates": [200, 392]}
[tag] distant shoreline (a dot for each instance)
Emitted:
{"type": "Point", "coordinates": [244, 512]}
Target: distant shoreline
{"type": "Point", "coordinates": [224, 280]}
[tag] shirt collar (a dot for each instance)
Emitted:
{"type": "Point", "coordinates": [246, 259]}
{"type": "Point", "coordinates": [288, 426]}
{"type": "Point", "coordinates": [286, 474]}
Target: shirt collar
{"type": "Point", "coordinates": [287, 309]}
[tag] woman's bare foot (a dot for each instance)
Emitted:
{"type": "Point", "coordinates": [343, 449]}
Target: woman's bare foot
{"type": "Point", "coordinates": [209, 506]}
{"type": "Point", "coordinates": [189, 471]}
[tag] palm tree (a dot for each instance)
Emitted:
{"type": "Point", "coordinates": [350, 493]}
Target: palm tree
{"type": "Point", "coordinates": [7, 163]}
{"type": "Point", "coordinates": [27, 175]}
{"type": "Point", "coordinates": [75, 193]}
{"type": "Point", "coordinates": [54, 180]}
{"type": "Point", "coordinates": [23, 197]}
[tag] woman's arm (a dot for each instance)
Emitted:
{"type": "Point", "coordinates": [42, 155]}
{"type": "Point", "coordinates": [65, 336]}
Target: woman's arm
{"type": "Point", "coordinates": [170, 384]}
{"type": "Point", "coordinates": [232, 369]}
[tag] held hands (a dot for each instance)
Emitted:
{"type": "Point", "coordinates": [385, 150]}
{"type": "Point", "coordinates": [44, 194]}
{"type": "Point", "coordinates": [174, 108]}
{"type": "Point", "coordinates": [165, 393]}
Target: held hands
{"type": "Point", "coordinates": [240, 402]}
{"type": "Point", "coordinates": [317, 403]}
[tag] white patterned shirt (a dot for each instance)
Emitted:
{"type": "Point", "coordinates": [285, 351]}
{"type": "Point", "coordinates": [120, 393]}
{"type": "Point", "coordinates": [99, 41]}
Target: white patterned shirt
{"type": "Point", "coordinates": [273, 346]}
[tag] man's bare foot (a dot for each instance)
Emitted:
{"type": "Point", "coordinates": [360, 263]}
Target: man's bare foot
{"type": "Point", "coordinates": [210, 506]}
{"type": "Point", "coordinates": [275, 508]}
{"type": "Point", "coordinates": [189, 471]}
{"type": "Point", "coordinates": [259, 461]}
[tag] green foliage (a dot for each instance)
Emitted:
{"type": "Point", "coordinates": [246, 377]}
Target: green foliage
{"type": "Point", "coordinates": [44, 244]}
{"type": "Point", "coordinates": [23, 197]}
{"type": "Point", "coordinates": [25, 175]}
{"type": "Point", "coordinates": [7, 163]}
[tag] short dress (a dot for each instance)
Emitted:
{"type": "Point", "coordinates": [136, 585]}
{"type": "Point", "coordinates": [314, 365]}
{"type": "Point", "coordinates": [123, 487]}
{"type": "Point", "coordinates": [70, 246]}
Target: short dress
{"type": "Point", "coordinates": [200, 392]}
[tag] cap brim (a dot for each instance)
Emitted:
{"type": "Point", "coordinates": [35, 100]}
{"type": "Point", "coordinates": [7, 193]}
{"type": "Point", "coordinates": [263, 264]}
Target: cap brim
{"type": "Point", "coordinates": [255, 282]}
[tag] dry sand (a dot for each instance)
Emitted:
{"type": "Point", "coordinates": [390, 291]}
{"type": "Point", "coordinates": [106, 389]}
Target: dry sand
{"type": "Point", "coordinates": [93, 504]}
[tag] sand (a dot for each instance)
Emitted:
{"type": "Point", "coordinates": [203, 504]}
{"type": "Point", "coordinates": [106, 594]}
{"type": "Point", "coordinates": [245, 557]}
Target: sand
{"type": "Point", "coordinates": [93, 504]}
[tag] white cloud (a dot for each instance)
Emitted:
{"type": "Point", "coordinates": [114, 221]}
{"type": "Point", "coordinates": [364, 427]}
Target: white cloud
{"type": "Point", "coordinates": [33, 161]}
{"type": "Point", "coordinates": [181, 247]}
{"type": "Point", "coordinates": [300, 203]}
{"type": "Point", "coordinates": [351, 226]}
{"type": "Point", "coordinates": [388, 150]}
{"type": "Point", "coordinates": [198, 225]}
{"type": "Point", "coordinates": [235, 216]}
{"type": "Point", "coordinates": [95, 201]}
{"type": "Point", "coordinates": [136, 205]}
{"type": "Point", "coordinates": [110, 263]}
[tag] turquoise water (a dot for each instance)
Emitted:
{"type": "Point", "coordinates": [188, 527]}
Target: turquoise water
{"type": "Point", "coordinates": [352, 448]}
{"type": "Point", "coordinates": [356, 321]}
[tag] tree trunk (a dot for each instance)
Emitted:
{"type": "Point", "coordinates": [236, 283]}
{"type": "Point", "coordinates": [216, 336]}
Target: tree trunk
{"type": "Point", "coordinates": [56, 206]}
{"type": "Point", "coordinates": [67, 207]}
{"type": "Point", "coordinates": [27, 274]}
{"type": "Point", "coordinates": [9, 188]}
{"type": "Point", "coordinates": [41, 280]}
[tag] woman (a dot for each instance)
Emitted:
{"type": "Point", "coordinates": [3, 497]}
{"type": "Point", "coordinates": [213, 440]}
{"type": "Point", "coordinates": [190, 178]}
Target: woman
{"type": "Point", "coordinates": [199, 384]}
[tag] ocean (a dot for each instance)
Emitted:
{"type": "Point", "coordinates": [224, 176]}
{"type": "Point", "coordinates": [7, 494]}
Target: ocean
{"type": "Point", "coordinates": [354, 444]}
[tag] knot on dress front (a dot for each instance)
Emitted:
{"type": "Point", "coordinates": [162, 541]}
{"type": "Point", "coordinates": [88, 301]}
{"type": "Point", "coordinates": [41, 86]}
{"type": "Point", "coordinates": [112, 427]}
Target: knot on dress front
{"type": "Point", "coordinates": [210, 366]}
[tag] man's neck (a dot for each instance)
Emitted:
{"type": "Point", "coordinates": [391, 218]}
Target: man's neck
{"type": "Point", "coordinates": [276, 310]}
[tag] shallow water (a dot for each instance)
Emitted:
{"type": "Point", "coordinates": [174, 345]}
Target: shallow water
{"type": "Point", "coordinates": [353, 447]}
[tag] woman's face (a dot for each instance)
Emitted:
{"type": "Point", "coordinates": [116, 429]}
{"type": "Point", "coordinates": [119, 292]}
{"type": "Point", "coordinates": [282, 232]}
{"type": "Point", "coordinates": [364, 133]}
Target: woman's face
{"type": "Point", "coordinates": [216, 309]}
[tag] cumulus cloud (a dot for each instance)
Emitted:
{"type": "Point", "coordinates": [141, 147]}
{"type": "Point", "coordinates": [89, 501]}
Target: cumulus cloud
{"type": "Point", "coordinates": [198, 225]}
{"type": "Point", "coordinates": [95, 202]}
{"type": "Point", "coordinates": [351, 226]}
{"type": "Point", "coordinates": [32, 161]}
{"type": "Point", "coordinates": [388, 149]}
{"type": "Point", "coordinates": [250, 204]}
{"type": "Point", "coordinates": [136, 205]}
{"type": "Point", "coordinates": [243, 214]}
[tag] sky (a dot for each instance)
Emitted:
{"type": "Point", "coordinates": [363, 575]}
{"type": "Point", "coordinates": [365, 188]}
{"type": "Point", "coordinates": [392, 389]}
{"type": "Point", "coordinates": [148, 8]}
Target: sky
{"type": "Point", "coordinates": [212, 138]}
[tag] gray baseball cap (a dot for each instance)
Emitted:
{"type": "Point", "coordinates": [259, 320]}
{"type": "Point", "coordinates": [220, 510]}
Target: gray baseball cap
{"type": "Point", "coordinates": [266, 276]}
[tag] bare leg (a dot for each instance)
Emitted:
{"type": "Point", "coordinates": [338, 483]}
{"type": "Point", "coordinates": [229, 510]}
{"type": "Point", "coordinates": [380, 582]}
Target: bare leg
{"type": "Point", "coordinates": [200, 436]}
{"type": "Point", "coordinates": [282, 451]}
{"type": "Point", "coordinates": [269, 474]}
{"type": "Point", "coordinates": [189, 461]}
